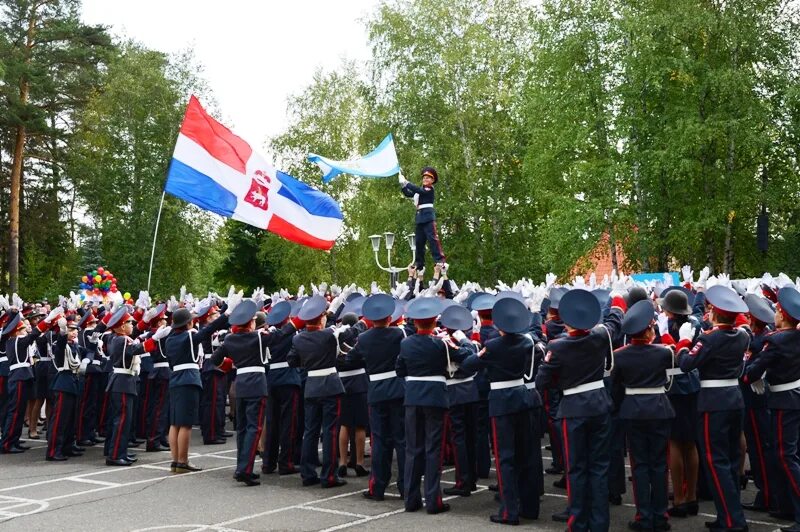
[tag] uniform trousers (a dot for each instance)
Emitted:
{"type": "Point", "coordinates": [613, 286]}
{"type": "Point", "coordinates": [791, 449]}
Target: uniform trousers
{"type": "Point", "coordinates": [586, 455]}
{"type": "Point", "coordinates": [387, 429]}
{"type": "Point", "coordinates": [120, 420]}
{"type": "Point", "coordinates": [86, 421]}
{"type": "Point", "coordinates": [761, 453]}
{"type": "Point", "coordinates": [18, 395]}
{"type": "Point", "coordinates": [321, 414]}
{"type": "Point", "coordinates": [282, 428]}
{"type": "Point", "coordinates": [158, 412]}
{"type": "Point", "coordinates": [551, 399]}
{"type": "Point", "coordinates": [483, 454]}
{"type": "Point", "coordinates": [787, 432]}
{"type": "Point", "coordinates": [647, 445]}
{"type": "Point", "coordinates": [426, 233]}
{"type": "Point", "coordinates": [3, 401]}
{"type": "Point", "coordinates": [536, 446]}
{"type": "Point", "coordinates": [462, 437]}
{"type": "Point", "coordinates": [719, 436]}
{"type": "Point", "coordinates": [517, 484]}
{"type": "Point", "coordinates": [142, 406]}
{"type": "Point", "coordinates": [616, 454]}
{"type": "Point", "coordinates": [424, 453]}
{"type": "Point", "coordinates": [250, 414]}
{"type": "Point", "coordinates": [61, 429]}
{"type": "Point", "coordinates": [212, 405]}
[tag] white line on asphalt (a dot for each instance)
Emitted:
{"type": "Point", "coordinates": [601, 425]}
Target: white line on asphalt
{"type": "Point", "coordinates": [156, 467]}
{"type": "Point", "coordinates": [335, 512]}
{"type": "Point", "coordinates": [92, 481]}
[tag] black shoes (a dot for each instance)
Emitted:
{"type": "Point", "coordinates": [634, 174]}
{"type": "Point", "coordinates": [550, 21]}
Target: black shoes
{"type": "Point", "coordinates": [290, 471]}
{"type": "Point", "coordinates": [155, 448]}
{"type": "Point", "coordinates": [615, 500]}
{"type": "Point", "coordinates": [372, 497]}
{"type": "Point", "coordinates": [560, 483]}
{"type": "Point", "coordinates": [218, 441]}
{"type": "Point", "coordinates": [440, 510]}
{"type": "Point", "coordinates": [249, 480]}
{"type": "Point", "coordinates": [461, 492]}
{"type": "Point", "coordinates": [500, 521]}
{"type": "Point", "coordinates": [561, 517]}
{"type": "Point", "coordinates": [335, 484]}
{"type": "Point", "coordinates": [119, 462]}
{"type": "Point", "coordinates": [360, 471]}
{"type": "Point", "coordinates": [342, 471]}
{"type": "Point", "coordinates": [12, 450]}
{"type": "Point", "coordinates": [56, 458]}
{"type": "Point", "coordinates": [310, 481]}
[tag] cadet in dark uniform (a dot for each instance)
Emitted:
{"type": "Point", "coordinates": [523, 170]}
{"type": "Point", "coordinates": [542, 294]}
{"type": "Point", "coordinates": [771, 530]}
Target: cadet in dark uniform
{"type": "Point", "coordinates": [315, 350]}
{"type": "Point", "coordinates": [248, 350]}
{"type": "Point", "coordinates": [575, 364]}
{"type": "Point", "coordinates": [780, 358]}
{"type": "Point", "coordinates": [425, 218]}
{"type": "Point", "coordinates": [67, 360]}
{"type": "Point", "coordinates": [757, 423]}
{"type": "Point", "coordinates": [44, 374]}
{"type": "Point", "coordinates": [462, 395]}
{"type": "Point", "coordinates": [3, 369]}
{"type": "Point", "coordinates": [719, 356]}
{"type": "Point", "coordinates": [506, 359]}
{"type": "Point", "coordinates": [424, 361]}
{"type": "Point", "coordinates": [283, 403]}
{"type": "Point", "coordinates": [124, 352]}
{"type": "Point", "coordinates": [639, 378]}
{"type": "Point", "coordinates": [483, 304]}
{"type": "Point", "coordinates": [184, 352]}
{"type": "Point", "coordinates": [551, 396]}
{"type": "Point", "coordinates": [20, 378]}
{"type": "Point", "coordinates": [157, 403]}
{"type": "Point", "coordinates": [91, 395]}
{"type": "Point", "coordinates": [377, 349]}
{"type": "Point", "coordinates": [215, 386]}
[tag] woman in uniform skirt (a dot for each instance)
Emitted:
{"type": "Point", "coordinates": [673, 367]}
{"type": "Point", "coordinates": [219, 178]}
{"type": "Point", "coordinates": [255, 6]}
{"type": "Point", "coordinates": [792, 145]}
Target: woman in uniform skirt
{"type": "Point", "coordinates": [183, 352]}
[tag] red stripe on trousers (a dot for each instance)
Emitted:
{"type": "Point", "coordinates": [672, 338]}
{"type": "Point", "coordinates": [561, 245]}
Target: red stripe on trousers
{"type": "Point", "coordinates": [783, 459]}
{"type": "Point", "coordinates": [436, 238]}
{"type": "Point", "coordinates": [565, 447]}
{"type": "Point", "coordinates": [120, 425]}
{"type": "Point", "coordinates": [709, 458]}
{"type": "Point", "coordinates": [259, 428]}
{"type": "Point", "coordinates": [335, 441]}
{"type": "Point", "coordinates": [159, 405]}
{"type": "Point", "coordinates": [51, 450]}
{"type": "Point", "coordinates": [498, 469]}
{"type": "Point", "coordinates": [13, 427]}
{"type": "Point", "coordinates": [84, 399]}
{"type": "Point", "coordinates": [761, 461]}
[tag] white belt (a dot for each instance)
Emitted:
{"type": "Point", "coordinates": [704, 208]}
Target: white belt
{"type": "Point", "coordinates": [352, 372]}
{"type": "Point", "coordinates": [3, 359]}
{"type": "Point", "coordinates": [144, 355]}
{"type": "Point", "coordinates": [425, 206]}
{"type": "Point", "coordinates": [382, 376]}
{"type": "Point", "coordinates": [208, 356]}
{"type": "Point", "coordinates": [431, 378]}
{"type": "Point", "coordinates": [451, 382]}
{"type": "Point", "coordinates": [671, 372]}
{"type": "Point", "coordinates": [645, 391]}
{"type": "Point", "coordinates": [606, 373]}
{"type": "Point", "coordinates": [123, 371]}
{"type": "Point", "coordinates": [719, 383]}
{"type": "Point", "coordinates": [45, 359]}
{"type": "Point", "coordinates": [161, 365]}
{"type": "Point", "coordinates": [189, 365]}
{"type": "Point", "coordinates": [502, 385]}
{"type": "Point", "coordinates": [251, 369]}
{"type": "Point", "coordinates": [589, 386]}
{"type": "Point", "coordinates": [321, 372]}
{"type": "Point", "coordinates": [20, 365]}
{"type": "Point", "coordinates": [530, 385]}
{"type": "Point", "coordinates": [784, 387]}
{"type": "Point", "coordinates": [97, 362]}
{"type": "Point", "coordinates": [279, 365]}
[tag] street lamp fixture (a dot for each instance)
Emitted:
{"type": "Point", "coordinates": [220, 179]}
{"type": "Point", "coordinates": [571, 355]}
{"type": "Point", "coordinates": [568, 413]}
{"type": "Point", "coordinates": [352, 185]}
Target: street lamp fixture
{"type": "Point", "coordinates": [388, 239]}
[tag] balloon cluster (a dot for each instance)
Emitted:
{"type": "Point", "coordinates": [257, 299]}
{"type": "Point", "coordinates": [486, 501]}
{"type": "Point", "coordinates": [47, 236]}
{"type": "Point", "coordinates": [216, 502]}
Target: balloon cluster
{"type": "Point", "coordinates": [99, 282]}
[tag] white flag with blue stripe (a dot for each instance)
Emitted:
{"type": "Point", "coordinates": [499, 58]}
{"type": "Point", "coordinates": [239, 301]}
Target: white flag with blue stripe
{"type": "Point", "coordinates": [380, 162]}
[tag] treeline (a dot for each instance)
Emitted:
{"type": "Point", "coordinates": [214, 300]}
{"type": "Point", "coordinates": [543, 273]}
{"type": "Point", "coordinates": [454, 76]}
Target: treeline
{"type": "Point", "coordinates": [672, 127]}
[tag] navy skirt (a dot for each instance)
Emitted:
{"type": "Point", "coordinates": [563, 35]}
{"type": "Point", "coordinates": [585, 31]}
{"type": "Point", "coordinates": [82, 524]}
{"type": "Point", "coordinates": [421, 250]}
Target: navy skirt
{"type": "Point", "coordinates": [184, 406]}
{"type": "Point", "coordinates": [354, 410]}
{"type": "Point", "coordinates": [684, 424]}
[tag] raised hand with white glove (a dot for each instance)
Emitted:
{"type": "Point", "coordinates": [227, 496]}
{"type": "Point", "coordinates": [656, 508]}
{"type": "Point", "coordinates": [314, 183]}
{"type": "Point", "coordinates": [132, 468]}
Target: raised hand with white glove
{"type": "Point", "coordinates": [162, 332]}
{"type": "Point", "coordinates": [62, 324]}
{"type": "Point", "coordinates": [686, 332]}
{"type": "Point", "coordinates": [688, 274]}
{"type": "Point", "coordinates": [459, 336]}
{"type": "Point", "coordinates": [550, 279]}
{"type": "Point", "coordinates": [233, 301]}
{"type": "Point", "coordinates": [143, 302]}
{"type": "Point", "coordinates": [663, 324]}
{"type": "Point", "coordinates": [401, 179]}
{"type": "Point", "coordinates": [703, 278]}
{"type": "Point", "coordinates": [54, 315]}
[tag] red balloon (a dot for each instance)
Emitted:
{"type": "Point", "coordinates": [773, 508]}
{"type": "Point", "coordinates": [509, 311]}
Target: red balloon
{"type": "Point", "coordinates": [100, 270]}
{"type": "Point", "coordinates": [114, 288]}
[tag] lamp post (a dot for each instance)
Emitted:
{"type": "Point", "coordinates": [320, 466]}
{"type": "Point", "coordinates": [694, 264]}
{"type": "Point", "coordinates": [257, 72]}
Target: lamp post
{"type": "Point", "coordinates": [389, 240]}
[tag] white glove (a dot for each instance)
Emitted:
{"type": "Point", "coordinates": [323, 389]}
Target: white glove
{"type": "Point", "coordinates": [136, 365]}
{"type": "Point", "coordinates": [783, 280]}
{"type": "Point", "coordinates": [402, 180]}
{"type": "Point", "coordinates": [593, 281]}
{"type": "Point", "coordinates": [233, 301]}
{"type": "Point", "coordinates": [301, 291]}
{"type": "Point", "coordinates": [373, 288]}
{"type": "Point", "coordinates": [724, 279]}
{"type": "Point", "coordinates": [688, 274]}
{"type": "Point", "coordinates": [149, 315]}
{"type": "Point", "coordinates": [701, 281]}
{"type": "Point", "coordinates": [686, 332]}
{"type": "Point", "coordinates": [162, 332]}
{"type": "Point", "coordinates": [144, 300]}
{"type": "Point", "coordinates": [758, 387]}
{"type": "Point", "coordinates": [579, 282]}
{"type": "Point", "coordinates": [336, 302]}
{"type": "Point", "coordinates": [459, 336]}
{"type": "Point", "coordinates": [83, 366]}
{"type": "Point", "coordinates": [668, 280]}
{"type": "Point", "coordinates": [54, 314]}
{"type": "Point", "coordinates": [550, 279]}
{"type": "Point", "coordinates": [62, 324]}
{"type": "Point", "coordinates": [663, 324]}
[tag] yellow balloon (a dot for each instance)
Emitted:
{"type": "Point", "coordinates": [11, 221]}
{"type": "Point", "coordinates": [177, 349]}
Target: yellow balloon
{"type": "Point", "coordinates": [98, 278]}
{"type": "Point", "coordinates": [126, 295]}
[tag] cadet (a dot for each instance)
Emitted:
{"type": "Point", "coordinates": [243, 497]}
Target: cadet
{"type": "Point", "coordinates": [377, 349]}
{"type": "Point", "coordinates": [483, 304]}
{"type": "Point", "coordinates": [157, 404]}
{"type": "Point", "coordinates": [424, 361]}
{"type": "Point", "coordinates": [718, 355]}
{"type": "Point", "coordinates": [639, 377]}
{"type": "Point", "coordinates": [780, 358]}
{"type": "Point", "coordinates": [215, 386]}
{"type": "Point", "coordinates": [44, 373]}
{"type": "Point", "coordinates": [3, 370]}
{"type": "Point", "coordinates": [124, 354]}
{"type": "Point", "coordinates": [425, 218]}
{"type": "Point", "coordinates": [315, 350]}
{"type": "Point", "coordinates": [91, 368]}
{"type": "Point", "coordinates": [66, 360]}
{"type": "Point", "coordinates": [283, 403]}
{"type": "Point", "coordinates": [184, 351]}
{"type": "Point", "coordinates": [20, 377]}
{"type": "Point", "coordinates": [248, 350]}
{"type": "Point", "coordinates": [462, 395]}
{"type": "Point", "coordinates": [577, 362]}
{"type": "Point", "coordinates": [506, 359]}
{"type": "Point", "coordinates": [551, 396]}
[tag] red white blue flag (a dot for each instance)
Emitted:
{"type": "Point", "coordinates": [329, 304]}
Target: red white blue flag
{"type": "Point", "coordinates": [219, 172]}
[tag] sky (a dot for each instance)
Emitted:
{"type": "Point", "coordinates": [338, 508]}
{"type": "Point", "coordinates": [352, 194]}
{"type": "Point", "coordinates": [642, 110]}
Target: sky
{"type": "Point", "coordinates": [255, 53]}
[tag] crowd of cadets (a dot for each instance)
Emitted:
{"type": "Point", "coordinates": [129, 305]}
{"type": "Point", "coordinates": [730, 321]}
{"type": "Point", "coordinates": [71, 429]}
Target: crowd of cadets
{"type": "Point", "coordinates": [682, 382]}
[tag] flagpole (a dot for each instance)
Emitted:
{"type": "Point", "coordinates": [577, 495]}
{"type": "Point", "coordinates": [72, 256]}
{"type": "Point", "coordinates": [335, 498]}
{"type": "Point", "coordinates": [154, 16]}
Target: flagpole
{"type": "Point", "coordinates": [155, 236]}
